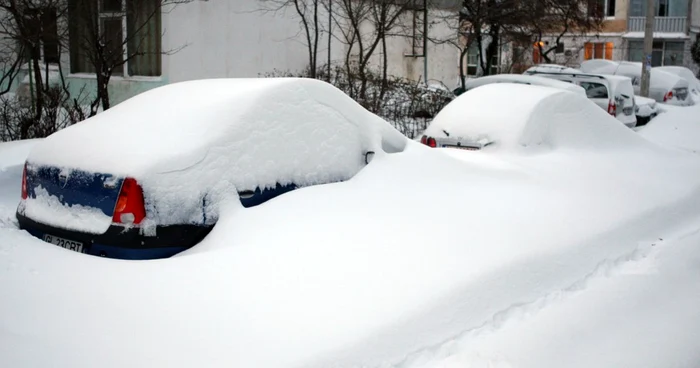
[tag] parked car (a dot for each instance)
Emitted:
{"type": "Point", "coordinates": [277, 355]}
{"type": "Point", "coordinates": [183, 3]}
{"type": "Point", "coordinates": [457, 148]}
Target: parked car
{"type": "Point", "coordinates": [612, 93]}
{"type": "Point", "coordinates": [687, 74]}
{"type": "Point", "coordinates": [523, 79]}
{"type": "Point", "coordinates": [664, 87]}
{"type": "Point", "coordinates": [535, 119]}
{"type": "Point", "coordinates": [146, 178]}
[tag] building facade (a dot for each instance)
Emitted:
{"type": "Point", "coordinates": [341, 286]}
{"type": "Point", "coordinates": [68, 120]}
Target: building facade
{"type": "Point", "coordinates": [226, 39]}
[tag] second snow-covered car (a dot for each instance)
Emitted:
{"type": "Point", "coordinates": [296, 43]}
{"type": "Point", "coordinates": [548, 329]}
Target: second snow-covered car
{"type": "Point", "coordinates": [147, 178]}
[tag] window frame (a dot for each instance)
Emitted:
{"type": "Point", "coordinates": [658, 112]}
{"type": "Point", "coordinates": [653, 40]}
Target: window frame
{"type": "Point", "coordinates": [124, 74]}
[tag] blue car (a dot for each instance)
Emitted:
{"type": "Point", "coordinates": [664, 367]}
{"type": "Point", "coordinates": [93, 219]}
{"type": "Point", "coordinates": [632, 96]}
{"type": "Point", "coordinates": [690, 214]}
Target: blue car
{"type": "Point", "coordinates": [147, 179]}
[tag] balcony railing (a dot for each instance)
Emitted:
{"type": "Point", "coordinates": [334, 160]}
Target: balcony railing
{"type": "Point", "coordinates": [661, 24]}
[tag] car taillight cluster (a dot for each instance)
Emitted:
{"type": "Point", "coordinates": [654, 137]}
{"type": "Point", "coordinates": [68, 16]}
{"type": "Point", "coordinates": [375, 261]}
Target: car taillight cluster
{"type": "Point", "coordinates": [130, 207]}
{"type": "Point", "coordinates": [668, 96]}
{"type": "Point", "coordinates": [24, 182]}
{"type": "Point", "coordinates": [612, 108]}
{"type": "Point", "coordinates": [428, 141]}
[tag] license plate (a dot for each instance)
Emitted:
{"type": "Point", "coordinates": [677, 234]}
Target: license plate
{"type": "Point", "coordinates": [65, 243]}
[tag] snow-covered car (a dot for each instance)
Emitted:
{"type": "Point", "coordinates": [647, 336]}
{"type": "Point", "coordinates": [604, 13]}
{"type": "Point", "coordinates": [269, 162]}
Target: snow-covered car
{"type": "Point", "coordinates": [646, 109]}
{"type": "Point", "coordinates": [535, 118]}
{"type": "Point", "coordinates": [664, 87]}
{"type": "Point", "coordinates": [612, 93]}
{"type": "Point", "coordinates": [146, 178]}
{"type": "Point", "coordinates": [687, 74]}
{"type": "Point", "coordinates": [523, 79]}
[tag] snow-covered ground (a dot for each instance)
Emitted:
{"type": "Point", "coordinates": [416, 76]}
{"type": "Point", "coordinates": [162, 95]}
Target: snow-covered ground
{"type": "Point", "coordinates": [583, 254]}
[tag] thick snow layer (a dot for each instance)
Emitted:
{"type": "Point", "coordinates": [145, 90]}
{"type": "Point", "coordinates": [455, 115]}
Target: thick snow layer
{"type": "Point", "coordinates": [48, 209]}
{"type": "Point", "coordinates": [418, 249]}
{"type": "Point", "coordinates": [524, 79]}
{"type": "Point", "coordinates": [202, 141]}
{"type": "Point", "coordinates": [12, 157]}
{"type": "Point", "coordinates": [536, 118]}
{"type": "Point", "coordinates": [679, 127]}
{"type": "Point", "coordinates": [647, 106]}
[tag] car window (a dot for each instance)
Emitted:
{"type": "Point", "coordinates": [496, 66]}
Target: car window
{"type": "Point", "coordinates": [595, 90]}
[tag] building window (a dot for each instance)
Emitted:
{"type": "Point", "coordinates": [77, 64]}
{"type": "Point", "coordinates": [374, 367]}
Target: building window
{"type": "Point", "coordinates": [598, 50]}
{"type": "Point", "coordinates": [472, 59]}
{"type": "Point", "coordinates": [129, 31]}
{"type": "Point", "coordinates": [42, 24]}
{"type": "Point", "coordinates": [663, 8]}
{"type": "Point", "coordinates": [601, 8]}
{"type": "Point", "coordinates": [663, 52]}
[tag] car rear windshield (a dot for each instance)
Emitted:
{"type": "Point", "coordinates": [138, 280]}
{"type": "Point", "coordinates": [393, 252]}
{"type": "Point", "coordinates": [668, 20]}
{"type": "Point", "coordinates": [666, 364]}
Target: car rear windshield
{"type": "Point", "coordinates": [595, 90]}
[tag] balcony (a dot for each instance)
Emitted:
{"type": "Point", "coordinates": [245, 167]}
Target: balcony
{"type": "Point", "coordinates": [661, 24]}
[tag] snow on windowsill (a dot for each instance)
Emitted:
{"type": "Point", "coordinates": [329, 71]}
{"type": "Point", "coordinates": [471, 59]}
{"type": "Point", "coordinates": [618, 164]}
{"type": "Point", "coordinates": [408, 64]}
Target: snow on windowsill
{"type": "Point", "coordinates": [131, 78]}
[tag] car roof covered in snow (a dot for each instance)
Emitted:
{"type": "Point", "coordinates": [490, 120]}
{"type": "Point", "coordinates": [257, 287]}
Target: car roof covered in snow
{"type": "Point", "coordinates": [523, 79]}
{"type": "Point", "coordinates": [659, 77]}
{"type": "Point", "coordinates": [535, 117]}
{"type": "Point", "coordinates": [258, 129]}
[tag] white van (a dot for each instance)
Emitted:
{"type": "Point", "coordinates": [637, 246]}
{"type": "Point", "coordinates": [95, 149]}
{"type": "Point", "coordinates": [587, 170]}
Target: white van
{"type": "Point", "coordinates": [664, 87]}
{"type": "Point", "coordinates": [523, 79]}
{"type": "Point", "coordinates": [614, 94]}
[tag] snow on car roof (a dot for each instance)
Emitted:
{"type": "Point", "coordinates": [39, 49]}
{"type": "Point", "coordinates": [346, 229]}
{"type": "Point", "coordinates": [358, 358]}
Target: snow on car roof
{"type": "Point", "coordinates": [515, 116]}
{"type": "Point", "coordinates": [523, 78]}
{"type": "Point", "coordinates": [255, 131]}
{"type": "Point", "coordinates": [659, 78]}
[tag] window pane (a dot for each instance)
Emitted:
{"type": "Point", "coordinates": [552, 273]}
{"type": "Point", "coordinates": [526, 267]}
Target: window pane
{"type": "Point", "coordinates": [678, 8]}
{"type": "Point", "coordinates": [111, 5]}
{"type": "Point", "coordinates": [636, 51]}
{"type": "Point", "coordinates": [637, 8]}
{"type": "Point", "coordinates": [673, 54]}
{"type": "Point", "coordinates": [50, 35]}
{"type": "Point", "coordinates": [610, 12]}
{"type": "Point", "coordinates": [82, 15]}
{"type": "Point", "coordinates": [598, 54]}
{"type": "Point", "coordinates": [144, 37]}
{"type": "Point", "coordinates": [595, 90]}
{"type": "Point", "coordinates": [113, 39]}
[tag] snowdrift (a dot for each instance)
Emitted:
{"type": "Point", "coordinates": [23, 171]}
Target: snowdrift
{"type": "Point", "coordinates": [536, 119]}
{"type": "Point", "coordinates": [678, 128]}
{"type": "Point", "coordinates": [417, 249]}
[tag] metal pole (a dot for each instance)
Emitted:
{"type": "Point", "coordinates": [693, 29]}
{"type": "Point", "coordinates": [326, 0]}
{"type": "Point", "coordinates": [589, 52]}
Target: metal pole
{"type": "Point", "coordinates": [330, 33]}
{"type": "Point", "coordinates": [31, 82]}
{"type": "Point", "coordinates": [425, 41]}
{"type": "Point", "coordinates": [648, 48]}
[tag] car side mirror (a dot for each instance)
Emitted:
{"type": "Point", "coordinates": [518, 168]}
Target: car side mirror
{"type": "Point", "coordinates": [369, 155]}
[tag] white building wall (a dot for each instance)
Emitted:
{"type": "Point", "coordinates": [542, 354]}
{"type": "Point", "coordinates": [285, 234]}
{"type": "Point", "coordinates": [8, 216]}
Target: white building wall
{"type": "Point", "coordinates": [231, 39]}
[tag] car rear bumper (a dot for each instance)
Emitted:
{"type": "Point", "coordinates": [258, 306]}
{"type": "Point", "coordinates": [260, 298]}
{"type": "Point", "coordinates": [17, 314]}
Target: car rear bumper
{"type": "Point", "coordinates": [125, 243]}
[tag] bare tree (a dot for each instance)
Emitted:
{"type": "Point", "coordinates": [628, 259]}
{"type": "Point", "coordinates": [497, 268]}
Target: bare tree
{"type": "Point", "coordinates": [557, 19]}
{"type": "Point", "coordinates": [364, 26]}
{"type": "Point", "coordinates": [309, 14]}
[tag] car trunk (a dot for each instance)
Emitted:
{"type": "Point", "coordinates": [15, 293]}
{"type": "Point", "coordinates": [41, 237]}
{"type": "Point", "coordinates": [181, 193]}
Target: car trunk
{"type": "Point", "coordinates": [79, 193]}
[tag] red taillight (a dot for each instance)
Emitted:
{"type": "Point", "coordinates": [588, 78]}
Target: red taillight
{"type": "Point", "coordinates": [424, 139]}
{"type": "Point", "coordinates": [669, 96]}
{"type": "Point", "coordinates": [130, 208]}
{"type": "Point", "coordinates": [24, 182]}
{"type": "Point", "coordinates": [612, 108]}
{"type": "Point", "coordinates": [431, 142]}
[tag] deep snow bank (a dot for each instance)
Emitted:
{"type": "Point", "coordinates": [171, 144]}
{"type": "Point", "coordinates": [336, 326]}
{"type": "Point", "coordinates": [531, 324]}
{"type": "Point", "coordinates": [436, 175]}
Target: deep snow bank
{"type": "Point", "coordinates": [415, 250]}
{"type": "Point", "coordinates": [679, 127]}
